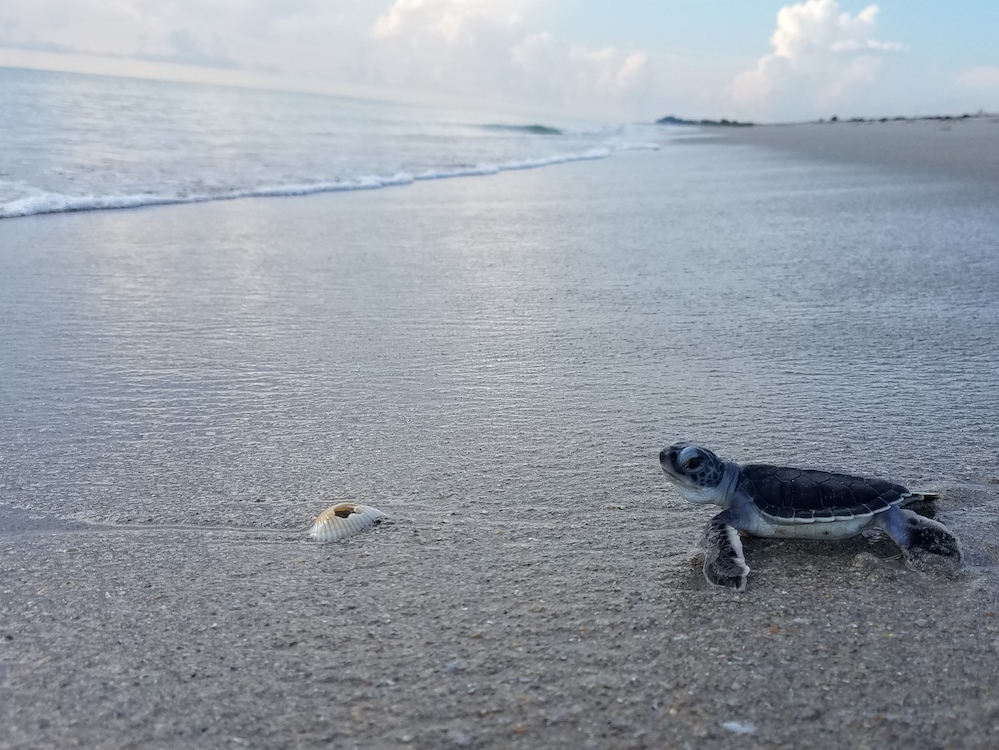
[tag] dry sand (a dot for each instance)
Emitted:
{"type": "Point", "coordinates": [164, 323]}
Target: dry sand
{"type": "Point", "coordinates": [965, 149]}
{"type": "Point", "coordinates": [454, 627]}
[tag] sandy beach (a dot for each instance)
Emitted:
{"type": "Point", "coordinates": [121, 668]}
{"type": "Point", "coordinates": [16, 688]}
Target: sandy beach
{"type": "Point", "coordinates": [538, 585]}
{"type": "Point", "coordinates": [964, 149]}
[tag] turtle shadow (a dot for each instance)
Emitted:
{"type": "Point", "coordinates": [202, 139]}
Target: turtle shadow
{"type": "Point", "coordinates": [768, 551]}
{"type": "Point", "coordinates": [810, 564]}
{"type": "Point", "coordinates": [870, 558]}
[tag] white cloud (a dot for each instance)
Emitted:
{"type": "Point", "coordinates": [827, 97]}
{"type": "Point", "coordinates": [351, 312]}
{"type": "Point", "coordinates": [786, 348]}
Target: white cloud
{"type": "Point", "coordinates": [252, 33]}
{"type": "Point", "coordinates": [517, 54]}
{"type": "Point", "coordinates": [485, 49]}
{"type": "Point", "coordinates": [984, 78]}
{"type": "Point", "coordinates": [481, 49]}
{"type": "Point", "coordinates": [819, 56]}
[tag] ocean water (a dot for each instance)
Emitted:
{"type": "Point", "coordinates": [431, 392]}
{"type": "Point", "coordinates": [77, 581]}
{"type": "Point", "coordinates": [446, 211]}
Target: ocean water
{"type": "Point", "coordinates": [73, 142]}
{"type": "Point", "coordinates": [510, 350]}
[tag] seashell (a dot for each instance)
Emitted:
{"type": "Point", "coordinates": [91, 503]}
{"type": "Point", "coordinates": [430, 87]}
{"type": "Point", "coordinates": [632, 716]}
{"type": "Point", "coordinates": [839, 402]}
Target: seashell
{"type": "Point", "coordinates": [344, 520]}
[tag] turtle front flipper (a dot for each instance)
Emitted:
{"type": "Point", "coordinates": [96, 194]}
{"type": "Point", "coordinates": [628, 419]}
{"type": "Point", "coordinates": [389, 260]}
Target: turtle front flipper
{"type": "Point", "coordinates": [925, 542]}
{"type": "Point", "coordinates": [724, 563]}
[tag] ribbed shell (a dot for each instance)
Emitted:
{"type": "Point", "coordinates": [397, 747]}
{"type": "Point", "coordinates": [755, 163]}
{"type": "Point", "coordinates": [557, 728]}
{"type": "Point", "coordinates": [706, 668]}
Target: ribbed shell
{"type": "Point", "coordinates": [344, 520]}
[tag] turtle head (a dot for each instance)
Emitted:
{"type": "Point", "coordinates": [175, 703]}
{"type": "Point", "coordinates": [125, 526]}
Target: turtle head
{"type": "Point", "coordinates": [698, 473]}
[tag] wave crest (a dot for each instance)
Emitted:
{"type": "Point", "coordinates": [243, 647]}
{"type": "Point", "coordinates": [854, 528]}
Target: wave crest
{"type": "Point", "coordinates": [53, 203]}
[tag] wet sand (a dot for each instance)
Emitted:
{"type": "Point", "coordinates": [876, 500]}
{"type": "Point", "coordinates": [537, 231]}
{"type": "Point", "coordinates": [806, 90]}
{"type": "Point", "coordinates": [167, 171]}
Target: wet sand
{"type": "Point", "coordinates": [506, 618]}
{"type": "Point", "coordinates": [462, 631]}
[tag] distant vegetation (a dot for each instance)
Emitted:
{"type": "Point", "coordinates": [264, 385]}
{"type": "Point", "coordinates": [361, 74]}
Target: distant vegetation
{"type": "Point", "coordinates": [943, 118]}
{"type": "Point", "coordinates": [671, 120]}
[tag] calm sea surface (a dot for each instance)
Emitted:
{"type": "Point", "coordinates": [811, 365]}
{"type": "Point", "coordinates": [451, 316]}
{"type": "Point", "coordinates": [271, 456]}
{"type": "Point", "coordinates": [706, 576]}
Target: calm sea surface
{"type": "Point", "coordinates": [522, 343]}
{"type": "Point", "coordinates": [73, 142]}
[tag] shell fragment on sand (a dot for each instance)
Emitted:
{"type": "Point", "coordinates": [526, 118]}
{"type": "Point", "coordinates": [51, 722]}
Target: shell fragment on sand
{"type": "Point", "coordinates": [344, 520]}
{"type": "Point", "coordinates": [738, 727]}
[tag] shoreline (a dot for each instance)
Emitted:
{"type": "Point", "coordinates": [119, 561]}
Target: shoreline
{"type": "Point", "coordinates": [964, 149]}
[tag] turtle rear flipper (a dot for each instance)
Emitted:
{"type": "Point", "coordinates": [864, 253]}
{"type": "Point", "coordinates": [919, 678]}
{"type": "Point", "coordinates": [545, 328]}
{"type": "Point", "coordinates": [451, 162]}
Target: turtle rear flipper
{"type": "Point", "coordinates": [724, 564]}
{"type": "Point", "coordinates": [926, 543]}
{"type": "Point", "coordinates": [923, 503]}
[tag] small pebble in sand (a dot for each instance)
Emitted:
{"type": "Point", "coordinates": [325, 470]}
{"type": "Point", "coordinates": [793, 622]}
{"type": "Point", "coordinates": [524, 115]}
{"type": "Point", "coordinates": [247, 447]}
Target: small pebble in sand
{"type": "Point", "coordinates": [738, 727]}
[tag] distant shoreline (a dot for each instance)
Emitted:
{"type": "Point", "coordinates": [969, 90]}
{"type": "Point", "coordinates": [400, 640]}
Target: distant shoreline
{"type": "Point", "coordinates": [725, 123]}
{"type": "Point", "coordinates": [922, 118]}
{"type": "Point", "coordinates": [960, 148]}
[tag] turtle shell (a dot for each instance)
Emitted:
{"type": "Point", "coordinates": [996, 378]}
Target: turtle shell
{"type": "Point", "coordinates": [806, 495]}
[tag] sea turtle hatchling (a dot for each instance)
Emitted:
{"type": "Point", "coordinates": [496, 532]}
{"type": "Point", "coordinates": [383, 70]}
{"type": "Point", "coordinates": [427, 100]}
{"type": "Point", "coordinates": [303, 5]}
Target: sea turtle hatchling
{"type": "Point", "coordinates": [773, 501]}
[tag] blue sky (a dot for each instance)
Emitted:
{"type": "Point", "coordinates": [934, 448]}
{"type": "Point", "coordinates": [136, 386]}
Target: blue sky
{"type": "Point", "coordinates": [631, 59]}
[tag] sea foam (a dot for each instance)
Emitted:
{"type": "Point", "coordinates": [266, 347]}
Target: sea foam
{"type": "Point", "coordinates": [51, 203]}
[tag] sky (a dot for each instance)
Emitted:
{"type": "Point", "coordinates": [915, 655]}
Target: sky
{"type": "Point", "coordinates": [623, 60]}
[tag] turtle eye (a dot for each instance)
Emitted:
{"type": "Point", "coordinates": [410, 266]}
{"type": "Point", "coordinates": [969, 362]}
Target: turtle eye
{"type": "Point", "coordinates": [695, 463]}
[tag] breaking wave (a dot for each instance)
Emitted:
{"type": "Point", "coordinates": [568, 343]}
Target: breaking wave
{"type": "Point", "coordinates": [51, 203]}
{"type": "Point", "coordinates": [529, 129]}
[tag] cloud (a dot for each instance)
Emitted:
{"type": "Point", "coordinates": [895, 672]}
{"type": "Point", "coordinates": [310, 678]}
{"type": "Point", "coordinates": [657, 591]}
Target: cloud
{"type": "Point", "coordinates": [482, 49]}
{"type": "Point", "coordinates": [485, 49]}
{"type": "Point", "coordinates": [199, 32]}
{"type": "Point", "coordinates": [819, 55]}
{"type": "Point", "coordinates": [187, 49]}
{"type": "Point", "coordinates": [980, 79]}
